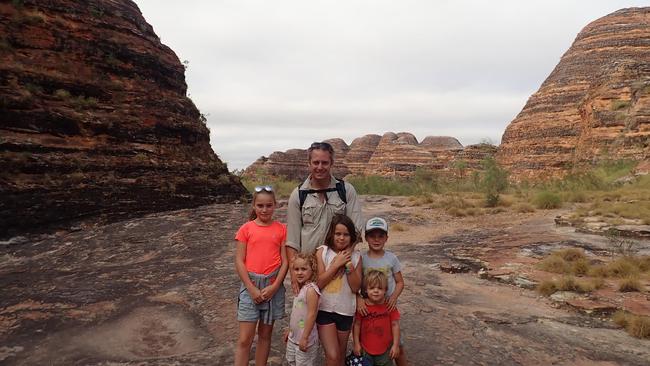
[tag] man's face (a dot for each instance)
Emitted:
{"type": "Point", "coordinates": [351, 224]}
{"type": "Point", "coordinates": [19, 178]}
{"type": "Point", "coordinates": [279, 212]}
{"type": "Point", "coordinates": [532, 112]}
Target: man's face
{"type": "Point", "coordinates": [320, 164]}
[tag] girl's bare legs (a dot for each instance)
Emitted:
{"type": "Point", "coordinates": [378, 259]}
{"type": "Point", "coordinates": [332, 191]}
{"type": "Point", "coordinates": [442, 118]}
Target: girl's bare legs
{"type": "Point", "coordinates": [330, 341]}
{"type": "Point", "coordinates": [343, 344]}
{"type": "Point", "coordinates": [243, 346]}
{"type": "Point", "coordinates": [263, 343]}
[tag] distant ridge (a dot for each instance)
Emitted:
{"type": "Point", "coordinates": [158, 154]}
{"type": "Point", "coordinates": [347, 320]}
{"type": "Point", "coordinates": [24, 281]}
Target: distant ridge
{"type": "Point", "coordinates": [393, 154]}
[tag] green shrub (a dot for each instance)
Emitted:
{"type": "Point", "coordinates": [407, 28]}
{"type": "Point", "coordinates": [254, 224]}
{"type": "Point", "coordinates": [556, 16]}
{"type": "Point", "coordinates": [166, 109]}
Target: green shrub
{"type": "Point", "coordinates": [547, 200]}
{"type": "Point", "coordinates": [619, 104]}
{"type": "Point", "coordinates": [62, 94]}
{"type": "Point", "coordinates": [494, 181]}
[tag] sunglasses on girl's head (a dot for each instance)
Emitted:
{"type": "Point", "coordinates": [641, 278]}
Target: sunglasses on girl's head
{"type": "Point", "coordinates": [259, 189]}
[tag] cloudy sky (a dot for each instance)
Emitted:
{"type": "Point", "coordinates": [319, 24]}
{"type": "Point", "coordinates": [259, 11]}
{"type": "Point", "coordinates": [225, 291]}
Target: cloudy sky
{"type": "Point", "coordinates": [275, 75]}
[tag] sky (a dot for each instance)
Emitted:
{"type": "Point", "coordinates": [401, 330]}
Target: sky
{"type": "Point", "coordinates": [276, 75]}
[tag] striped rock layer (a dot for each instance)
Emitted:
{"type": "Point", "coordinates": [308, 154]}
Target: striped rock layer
{"type": "Point", "coordinates": [393, 154]}
{"type": "Point", "coordinates": [95, 118]}
{"type": "Point", "coordinates": [594, 106]}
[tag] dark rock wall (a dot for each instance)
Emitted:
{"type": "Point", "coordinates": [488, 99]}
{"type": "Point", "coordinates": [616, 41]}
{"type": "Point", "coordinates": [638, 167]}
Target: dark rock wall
{"type": "Point", "coordinates": [94, 118]}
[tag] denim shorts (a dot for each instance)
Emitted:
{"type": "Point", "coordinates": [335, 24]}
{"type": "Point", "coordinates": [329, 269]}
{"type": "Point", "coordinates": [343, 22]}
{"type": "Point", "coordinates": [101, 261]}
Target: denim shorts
{"type": "Point", "coordinates": [266, 312]}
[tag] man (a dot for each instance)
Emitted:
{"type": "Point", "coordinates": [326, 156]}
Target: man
{"type": "Point", "coordinates": [308, 221]}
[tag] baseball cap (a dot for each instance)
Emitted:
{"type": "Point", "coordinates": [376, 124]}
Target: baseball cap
{"type": "Point", "coordinates": [377, 223]}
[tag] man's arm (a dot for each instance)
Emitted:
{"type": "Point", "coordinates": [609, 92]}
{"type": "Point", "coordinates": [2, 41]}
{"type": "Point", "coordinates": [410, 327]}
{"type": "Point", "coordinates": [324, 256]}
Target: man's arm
{"type": "Point", "coordinates": [294, 222]}
{"type": "Point", "coordinates": [353, 209]}
{"type": "Point", "coordinates": [294, 227]}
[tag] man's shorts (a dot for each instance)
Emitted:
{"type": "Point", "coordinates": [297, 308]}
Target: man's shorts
{"type": "Point", "coordinates": [343, 322]}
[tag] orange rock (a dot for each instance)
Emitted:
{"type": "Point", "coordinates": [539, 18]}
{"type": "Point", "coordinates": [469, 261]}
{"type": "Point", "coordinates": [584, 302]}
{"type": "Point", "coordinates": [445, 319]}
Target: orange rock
{"type": "Point", "coordinates": [593, 106]}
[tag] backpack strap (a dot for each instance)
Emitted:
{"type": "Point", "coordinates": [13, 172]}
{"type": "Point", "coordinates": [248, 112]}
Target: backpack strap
{"type": "Point", "coordinates": [340, 189]}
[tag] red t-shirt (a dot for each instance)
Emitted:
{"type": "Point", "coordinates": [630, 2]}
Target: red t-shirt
{"type": "Point", "coordinates": [376, 330]}
{"type": "Point", "coordinates": [263, 245]}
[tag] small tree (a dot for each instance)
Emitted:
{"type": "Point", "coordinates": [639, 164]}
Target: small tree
{"type": "Point", "coordinates": [494, 182]}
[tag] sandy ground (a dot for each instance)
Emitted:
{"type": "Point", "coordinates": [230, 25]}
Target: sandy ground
{"type": "Point", "coordinates": [161, 290]}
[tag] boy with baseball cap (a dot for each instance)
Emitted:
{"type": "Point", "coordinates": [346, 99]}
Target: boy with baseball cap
{"type": "Point", "coordinates": [377, 258]}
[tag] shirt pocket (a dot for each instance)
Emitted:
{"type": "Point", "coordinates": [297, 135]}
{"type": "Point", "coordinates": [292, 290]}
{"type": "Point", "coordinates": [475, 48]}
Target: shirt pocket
{"type": "Point", "coordinates": [309, 212]}
{"type": "Point", "coordinates": [335, 204]}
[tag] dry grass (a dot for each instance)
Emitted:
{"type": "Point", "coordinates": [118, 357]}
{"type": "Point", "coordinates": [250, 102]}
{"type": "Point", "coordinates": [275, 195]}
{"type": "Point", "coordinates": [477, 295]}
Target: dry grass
{"type": "Point", "coordinates": [524, 207]}
{"type": "Point", "coordinates": [397, 227]}
{"type": "Point", "coordinates": [571, 254]}
{"type": "Point", "coordinates": [554, 264]}
{"type": "Point", "coordinates": [546, 287]}
{"type": "Point", "coordinates": [580, 267]}
{"type": "Point", "coordinates": [622, 267]}
{"type": "Point", "coordinates": [630, 284]}
{"type": "Point", "coordinates": [598, 283]}
{"type": "Point", "coordinates": [636, 325]}
{"type": "Point", "coordinates": [565, 261]}
{"type": "Point", "coordinates": [567, 283]}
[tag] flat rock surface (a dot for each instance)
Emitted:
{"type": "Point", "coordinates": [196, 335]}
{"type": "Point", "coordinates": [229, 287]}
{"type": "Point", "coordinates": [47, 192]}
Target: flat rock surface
{"type": "Point", "coordinates": [161, 290]}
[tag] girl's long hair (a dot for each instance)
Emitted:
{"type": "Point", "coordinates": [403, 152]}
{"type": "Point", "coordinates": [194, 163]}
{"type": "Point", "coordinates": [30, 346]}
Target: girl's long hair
{"type": "Point", "coordinates": [310, 259]}
{"type": "Point", "coordinates": [343, 220]}
{"type": "Point", "coordinates": [252, 216]}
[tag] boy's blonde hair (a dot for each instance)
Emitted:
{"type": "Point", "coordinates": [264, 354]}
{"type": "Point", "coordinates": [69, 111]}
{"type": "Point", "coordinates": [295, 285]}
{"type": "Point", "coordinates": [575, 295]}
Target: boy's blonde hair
{"type": "Point", "coordinates": [310, 259]}
{"type": "Point", "coordinates": [375, 277]}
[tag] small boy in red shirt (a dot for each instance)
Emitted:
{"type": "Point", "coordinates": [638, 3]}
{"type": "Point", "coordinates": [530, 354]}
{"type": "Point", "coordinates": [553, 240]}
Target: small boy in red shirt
{"type": "Point", "coordinates": [376, 335]}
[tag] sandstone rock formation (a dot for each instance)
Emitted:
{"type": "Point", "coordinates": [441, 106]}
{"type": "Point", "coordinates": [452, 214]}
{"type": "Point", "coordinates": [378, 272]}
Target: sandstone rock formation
{"type": "Point", "coordinates": [393, 154]}
{"type": "Point", "coordinates": [94, 117]}
{"type": "Point", "coordinates": [594, 106]}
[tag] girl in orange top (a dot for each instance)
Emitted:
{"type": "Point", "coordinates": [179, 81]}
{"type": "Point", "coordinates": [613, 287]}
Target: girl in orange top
{"type": "Point", "coordinates": [261, 263]}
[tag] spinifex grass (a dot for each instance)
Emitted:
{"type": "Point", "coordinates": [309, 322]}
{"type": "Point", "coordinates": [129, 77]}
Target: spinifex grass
{"type": "Point", "coordinates": [636, 325]}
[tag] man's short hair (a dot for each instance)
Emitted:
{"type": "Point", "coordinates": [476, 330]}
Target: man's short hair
{"type": "Point", "coordinates": [320, 146]}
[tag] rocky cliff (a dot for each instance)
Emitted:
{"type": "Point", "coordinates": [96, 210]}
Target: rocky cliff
{"type": "Point", "coordinates": [94, 118]}
{"type": "Point", "coordinates": [595, 105]}
{"type": "Point", "coordinates": [393, 154]}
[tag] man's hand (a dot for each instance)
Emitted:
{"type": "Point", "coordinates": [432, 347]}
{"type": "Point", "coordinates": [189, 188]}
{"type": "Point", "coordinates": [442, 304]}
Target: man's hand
{"type": "Point", "coordinates": [361, 305]}
{"type": "Point", "coordinates": [394, 351]}
{"type": "Point", "coordinates": [391, 302]}
{"type": "Point", "coordinates": [356, 349]}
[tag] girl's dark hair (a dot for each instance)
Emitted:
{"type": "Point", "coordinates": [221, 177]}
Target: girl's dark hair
{"type": "Point", "coordinates": [311, 262]}
{"type": "Point", "coordinates": [252, 216]}
{"type": "Point", "coordinates": [343, 220]}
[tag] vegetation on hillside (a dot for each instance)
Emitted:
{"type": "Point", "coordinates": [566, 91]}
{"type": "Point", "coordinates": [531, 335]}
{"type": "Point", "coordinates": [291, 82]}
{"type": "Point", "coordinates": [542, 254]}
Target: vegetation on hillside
{"type": "Point", "coordinates": [606, 191]}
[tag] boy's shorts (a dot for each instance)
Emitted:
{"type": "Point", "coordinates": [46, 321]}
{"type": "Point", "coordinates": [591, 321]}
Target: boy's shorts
{"type": "Point", "coordinates": [343, 322]}
{"type": "Point", "coordinates": [379, 360]}
{"type": "Point", "coordinates": [266, 312]}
